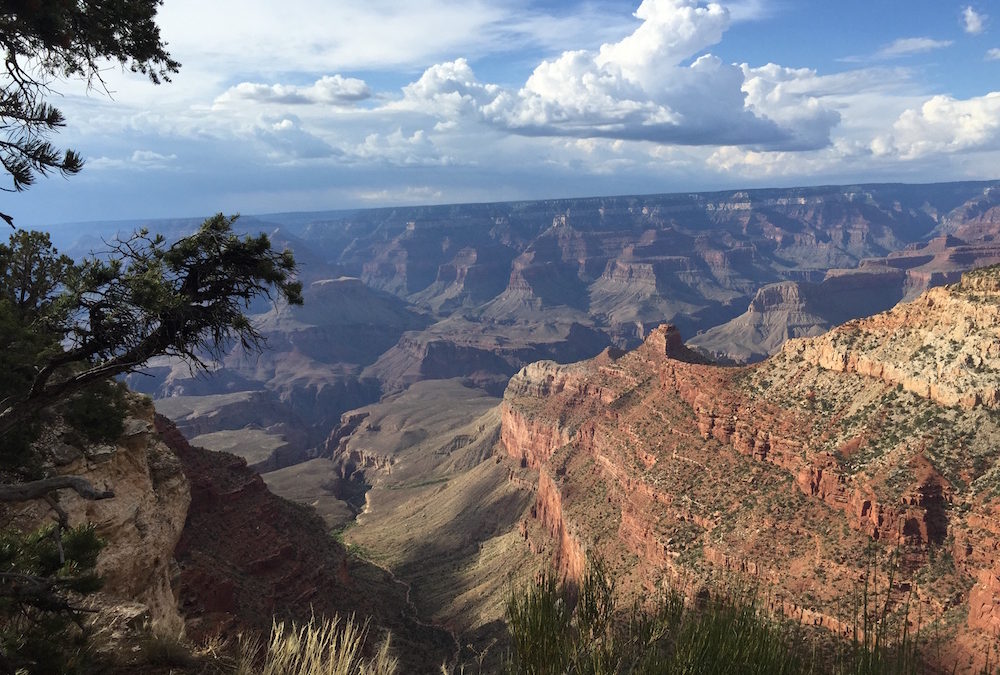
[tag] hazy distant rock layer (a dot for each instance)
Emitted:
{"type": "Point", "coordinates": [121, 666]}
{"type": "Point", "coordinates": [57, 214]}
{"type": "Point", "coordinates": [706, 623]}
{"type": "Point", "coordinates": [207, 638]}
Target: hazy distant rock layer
{"type": "Point", "coordinates": [398, 296]}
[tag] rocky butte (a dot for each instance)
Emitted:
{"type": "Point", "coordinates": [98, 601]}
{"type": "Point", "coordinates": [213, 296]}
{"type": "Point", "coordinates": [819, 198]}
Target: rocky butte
{"type": "Point", "coordinates": [883, 431]}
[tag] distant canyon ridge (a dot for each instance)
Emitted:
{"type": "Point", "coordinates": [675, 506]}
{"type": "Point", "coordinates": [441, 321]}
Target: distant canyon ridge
{"type": "Point", "coordinates": [395, 296]}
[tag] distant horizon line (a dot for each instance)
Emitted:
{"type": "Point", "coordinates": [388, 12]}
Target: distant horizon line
{"type": "Point", "coordinates": [142, 220]}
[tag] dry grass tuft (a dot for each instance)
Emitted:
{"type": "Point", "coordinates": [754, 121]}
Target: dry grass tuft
{"type": "Point", "coordinates": [321, 647]}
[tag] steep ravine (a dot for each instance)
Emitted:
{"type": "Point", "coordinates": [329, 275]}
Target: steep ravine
{"type": "Point", "coordinates": [246, 555]}
{"type": "Point", "coordinates": [196, 545]}
{"type": "Point", "coordinates": [439, 511]}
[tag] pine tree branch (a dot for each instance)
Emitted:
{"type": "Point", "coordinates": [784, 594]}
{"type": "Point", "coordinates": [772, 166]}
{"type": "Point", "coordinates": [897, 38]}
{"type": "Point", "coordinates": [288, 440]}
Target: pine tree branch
{"type": "Point", "coordinates": [40, 488]}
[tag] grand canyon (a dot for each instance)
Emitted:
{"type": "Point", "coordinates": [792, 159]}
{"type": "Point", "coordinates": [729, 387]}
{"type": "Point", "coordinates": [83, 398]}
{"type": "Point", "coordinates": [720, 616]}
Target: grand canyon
{"type": "Point", "coordinates": [549, 337]}
{"type": "Point", "coordinates": [767, 385]}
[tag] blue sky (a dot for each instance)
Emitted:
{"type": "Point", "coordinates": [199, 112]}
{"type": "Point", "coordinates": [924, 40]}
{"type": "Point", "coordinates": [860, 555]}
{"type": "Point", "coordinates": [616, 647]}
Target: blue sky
{"type": "Point", "coordinates": [309, 104]}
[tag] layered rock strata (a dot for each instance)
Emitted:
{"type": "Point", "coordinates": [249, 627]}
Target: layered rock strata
{"type": "Point", "coordinates": [247, 557]}
{"type": "Point", "coordinates": [788, 470]}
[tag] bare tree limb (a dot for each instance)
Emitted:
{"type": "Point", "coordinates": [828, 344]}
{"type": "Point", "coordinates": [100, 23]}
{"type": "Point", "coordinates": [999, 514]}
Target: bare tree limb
{"type": "Point", "coordinates": [39, 488]}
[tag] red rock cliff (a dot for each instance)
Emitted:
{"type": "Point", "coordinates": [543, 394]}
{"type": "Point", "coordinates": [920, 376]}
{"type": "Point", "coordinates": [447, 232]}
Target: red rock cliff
{"type": "Point", "coordinates": [785, 470]}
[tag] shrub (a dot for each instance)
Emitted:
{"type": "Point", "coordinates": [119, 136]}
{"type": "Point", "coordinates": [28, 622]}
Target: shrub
{"type": "Point", "coordinates": [166, 650]}
{"type": "Point", "coordinates": [97, 413]}
{"type": "Point", "coordinates": [40, 575]}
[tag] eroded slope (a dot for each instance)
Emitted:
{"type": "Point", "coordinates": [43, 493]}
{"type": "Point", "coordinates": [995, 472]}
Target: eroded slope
{"type": "Point", "coordinates": [438, 506]}
{"type": "Point", "coordinates": [884, 430]}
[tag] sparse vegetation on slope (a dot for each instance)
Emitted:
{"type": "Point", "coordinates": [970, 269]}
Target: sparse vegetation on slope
{"type": "Point", "coordinates": [784, 473]}
{"type": "Point", "coordinates": [586, 630]}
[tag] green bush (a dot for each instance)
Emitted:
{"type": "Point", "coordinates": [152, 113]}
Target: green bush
{"type": "Point", "coordinates": [97, 413]}
{"type": "Point", "coordinates": [40, 575]}
{"type": "Point", "coordinates": [559, 629]}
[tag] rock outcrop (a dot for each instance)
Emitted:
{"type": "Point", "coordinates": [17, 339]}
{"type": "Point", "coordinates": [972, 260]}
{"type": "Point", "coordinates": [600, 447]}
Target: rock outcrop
{"type": "Point", "coordinates": [883, 430]}
{"type": "Point", "coordinates": [140, 525]}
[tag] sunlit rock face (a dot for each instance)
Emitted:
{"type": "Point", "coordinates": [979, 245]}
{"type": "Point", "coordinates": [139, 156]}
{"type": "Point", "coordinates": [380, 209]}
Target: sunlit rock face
{"type": "Point", "coordinates": [883, 430]}
{"type": "Point", "coordinates": [140, 525]}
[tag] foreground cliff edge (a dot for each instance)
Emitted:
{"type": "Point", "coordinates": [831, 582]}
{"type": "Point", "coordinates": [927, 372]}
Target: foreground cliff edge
{"type": "Point", "coordinates": [197, 549]}
{"type": "Point", "coordinates": [883, 431]}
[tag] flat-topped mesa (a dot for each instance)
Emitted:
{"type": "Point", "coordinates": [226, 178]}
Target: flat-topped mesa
{"type": "Point", "coordinates": [943, 346]}
{"type": "Point", "coordinates": [666, 340]}
{"type": "Point", "coordinates": [788, 294]}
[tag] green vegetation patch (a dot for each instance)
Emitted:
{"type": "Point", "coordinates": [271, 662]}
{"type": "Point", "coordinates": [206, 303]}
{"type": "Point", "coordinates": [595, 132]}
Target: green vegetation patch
{"type": "Point", "coordinates": [585, 629]}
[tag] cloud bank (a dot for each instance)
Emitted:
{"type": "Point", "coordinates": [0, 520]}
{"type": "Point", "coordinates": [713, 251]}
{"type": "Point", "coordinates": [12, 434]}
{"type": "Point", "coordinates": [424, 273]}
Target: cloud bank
{"type": "Point", "coordinates": [372, 101]}
{"type": "Point", "coordinates": [656, 84]}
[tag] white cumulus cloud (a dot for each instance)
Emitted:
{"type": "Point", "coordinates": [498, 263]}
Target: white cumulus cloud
{"type": "Point", "coordinates": [993, 54]}
{"type": "Point", "coordinates": [287, 141]}
{"type": "Point", "coordinates": [656, 84]}
{"type": "Point", "coordinates": [330, 89]}
{"type": "Point", "coordinates": [399, 148]}
{"type": "Point", "coordinates": [793, 98]}
{"type": "Point", "coordinates": [973, 22]}
{"type": "Point", "coordinates": [944, 125]}
{"type": "Point", "coordinates": [448, 90]}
